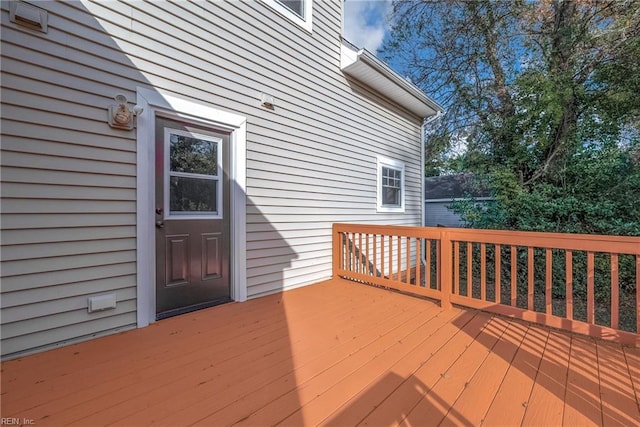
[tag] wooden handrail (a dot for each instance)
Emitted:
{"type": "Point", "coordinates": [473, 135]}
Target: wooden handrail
{"type": "Point", "coordinates": [512, 273]}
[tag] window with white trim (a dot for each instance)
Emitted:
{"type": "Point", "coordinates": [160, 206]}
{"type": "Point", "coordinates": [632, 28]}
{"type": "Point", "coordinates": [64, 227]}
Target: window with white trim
{"type": "Point", "coordinates": [390, 185]}
{"type": "Point", "coordinates": [298, 11]}
{"type": "Point", "coordinates": [193, 175]}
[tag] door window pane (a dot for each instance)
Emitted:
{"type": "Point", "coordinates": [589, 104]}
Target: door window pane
{"type": "Point", "coordinates": [193, 194]}
{"type": "Point", "coordinates": [193, 155]}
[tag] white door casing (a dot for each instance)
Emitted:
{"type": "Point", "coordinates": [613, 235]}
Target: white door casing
{"type": "Point", "coordinates": [155, 104]}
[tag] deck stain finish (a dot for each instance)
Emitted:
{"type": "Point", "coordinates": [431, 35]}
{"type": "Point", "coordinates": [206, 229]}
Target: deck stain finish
{"type": "Point", "coordinates": [336, 353]}
{"type": "Point", "coordinates": [353, 411]}
{"type": "Point", "coordinates": [546, 404]}
{"type": "Point", "coordinates": [619, 405]}
{"type": "Point", "coordinates": [454, 380]}
{"type": "Point", "coordinates": [582, 401]}
{"type": "Point", "coordinates": [478, 394]}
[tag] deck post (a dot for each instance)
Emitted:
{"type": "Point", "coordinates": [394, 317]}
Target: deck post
{"type": "Point", "coordinates": [446, 270]}
{"type": "Point", "coordinates": [335, 261]}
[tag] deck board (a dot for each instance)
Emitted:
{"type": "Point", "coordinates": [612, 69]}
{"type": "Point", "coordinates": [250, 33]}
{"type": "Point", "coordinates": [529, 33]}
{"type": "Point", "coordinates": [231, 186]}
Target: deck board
{"type": "Point", "coordinates": [399, 404]}
{"type": "Point", "coordinates": [336, 353]}
{"type": "Point", "coordinates": [582, 400]}
{"type": "Point", "coordinates": [632, 359]}
{"type": "Point", "coordinates": [619, 405]}
{"type": "Point", "coordinates": [283, 379]}
{"type": "Point", "coordinates": [439, 401]}
{"type": "Point", "coordinates": [397, 362]}
{"type": "Point", "coordinates": [354, 410]}
{"type": "Point", "coordinates": [510, 401]}
{"type": "Point", "coordinates": [477, 396]}
{"type": "Point", "coordinates": [315, 381]}
{"type": "Point", "coordinates": [546, 403]}
{"type": "Point", "coordinates": [270, 348]}
{"type": "Point", "coordinates": [341, 329]}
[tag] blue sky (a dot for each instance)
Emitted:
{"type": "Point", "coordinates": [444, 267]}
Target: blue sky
{"type": "Point", "coordinates": [365, 22]}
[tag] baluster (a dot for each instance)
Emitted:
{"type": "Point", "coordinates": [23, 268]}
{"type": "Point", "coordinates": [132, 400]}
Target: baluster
{"type": "Point", "coordinates": [342, 251]}
{"type": "Point", "coordinates": [469, 292]}
{"type": "Point", "coordinates": [354, 260]}
{"type": "Point", "coordinates": [438, 265]}
{"type": "Point", "coordinates": [367, 259]}
{"type": "Point", "coordinates": [348, 249]}
{"type": "Point", "coordinates": [390, 257]}
{"type": "Point", "coordinates": [456, 267]}
{"type": "Point", "coordinates": [427, 271]}
{"type": "Point", "coordinates": [548, 281]}
{"type": "Point", "coordinates": [408, 263]}
{"type": "Point", "coordinates": [418, 261]}
{"type": "Point", "coordinates": [375, 254]}
{"type": "Point", "coordinates": [483, 272]}
{"type": "Point", "coordinates": [514, 276]}
{"type": "Point", "coordinates": [569, 283]}
{"type": "Point", "coordinates": [360, 254]}
{"type": "Point", "coordinates": [382, 254]}
{"type": "Point", "coordinates": [498, 291]}
{"type": "Point", "coordinates": [615, 293]}
{"type": "Point", "coordinates": [399, 260]}
{"type": "Point", "coordinates": [445, 270]}
{"type": "Point", "coordinates": [590, 288]}
{"type": "Point", "coordinates": [530, 277]}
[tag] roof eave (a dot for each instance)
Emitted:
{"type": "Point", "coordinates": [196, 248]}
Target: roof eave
{"type": "Point", "coordinates": [365, 67]}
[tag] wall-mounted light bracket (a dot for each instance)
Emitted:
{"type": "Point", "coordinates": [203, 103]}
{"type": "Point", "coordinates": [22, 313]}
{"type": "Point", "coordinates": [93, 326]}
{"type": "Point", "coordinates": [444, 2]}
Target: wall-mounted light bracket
{"type": "Point", "coordinates": [120, 116]}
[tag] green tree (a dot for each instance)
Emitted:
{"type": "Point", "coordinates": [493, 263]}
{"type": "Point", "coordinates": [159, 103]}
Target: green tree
{"type": "Point", "coordinates": [545, 97]}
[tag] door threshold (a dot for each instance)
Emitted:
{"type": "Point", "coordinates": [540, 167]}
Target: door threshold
{"type": "Point", "coordinates": [189, 309]}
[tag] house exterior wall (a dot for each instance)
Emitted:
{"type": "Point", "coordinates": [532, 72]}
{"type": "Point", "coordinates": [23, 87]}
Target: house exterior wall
{"type": "Point", "coordinates": [437, 214]}
{"type": "Point", "coordinates": [69, 180]}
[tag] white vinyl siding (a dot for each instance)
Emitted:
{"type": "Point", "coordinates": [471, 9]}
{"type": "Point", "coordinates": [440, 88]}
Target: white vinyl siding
{"type": "Point", "coordinates": [68, 208]}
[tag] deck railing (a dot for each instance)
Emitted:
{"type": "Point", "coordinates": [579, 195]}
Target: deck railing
{"type": "Point", "coordinates": [581, 283]}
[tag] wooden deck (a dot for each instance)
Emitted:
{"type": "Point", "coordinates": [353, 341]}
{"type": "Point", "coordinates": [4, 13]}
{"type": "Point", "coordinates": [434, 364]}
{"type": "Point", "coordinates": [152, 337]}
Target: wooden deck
{"type": "Point", "coordinates": [337, 353]}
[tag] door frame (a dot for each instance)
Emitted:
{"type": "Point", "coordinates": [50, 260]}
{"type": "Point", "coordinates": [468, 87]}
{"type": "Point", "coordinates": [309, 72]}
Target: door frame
{"type": "Point", "coordinates": [155, 103]}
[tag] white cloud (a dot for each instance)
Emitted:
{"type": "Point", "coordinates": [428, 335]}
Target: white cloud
{"type": "Point", "coordinates": [365, 22]}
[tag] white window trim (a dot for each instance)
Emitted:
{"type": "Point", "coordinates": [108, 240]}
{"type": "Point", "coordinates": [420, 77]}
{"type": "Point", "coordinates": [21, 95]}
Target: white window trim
{"type": "Point", "coordinates": [155, 104]}
{"type": "Point", "coordinates": [305, 22]}
{"type": "Point", "coordinates": [393, 164]}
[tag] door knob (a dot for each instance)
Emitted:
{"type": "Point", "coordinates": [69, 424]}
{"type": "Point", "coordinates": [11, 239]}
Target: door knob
{"type": "Point", "coordinates": [159, 224]}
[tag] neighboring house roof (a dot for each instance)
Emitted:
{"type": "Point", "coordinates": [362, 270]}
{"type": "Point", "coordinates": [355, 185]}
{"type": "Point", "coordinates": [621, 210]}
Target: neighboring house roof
{"type": "Point", "coordinates": [365, 67]}
{"type": "Point", "coordinates": [454, 187]}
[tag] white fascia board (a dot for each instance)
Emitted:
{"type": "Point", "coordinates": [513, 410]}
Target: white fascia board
{"type": "Point", "coordinates": [365, 67]}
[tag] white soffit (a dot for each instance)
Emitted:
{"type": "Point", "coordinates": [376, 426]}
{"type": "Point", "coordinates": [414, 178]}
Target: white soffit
{"type": "Point", "coordinates": [365, 67]}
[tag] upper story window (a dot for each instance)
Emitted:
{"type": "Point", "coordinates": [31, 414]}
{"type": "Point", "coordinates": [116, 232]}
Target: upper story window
{"type": "Point", "coordinates": [299, 11]}
{"type": "Point", "coordinates": [295, 6]}
{"type": "Point", "coordinates": [390, 185]}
